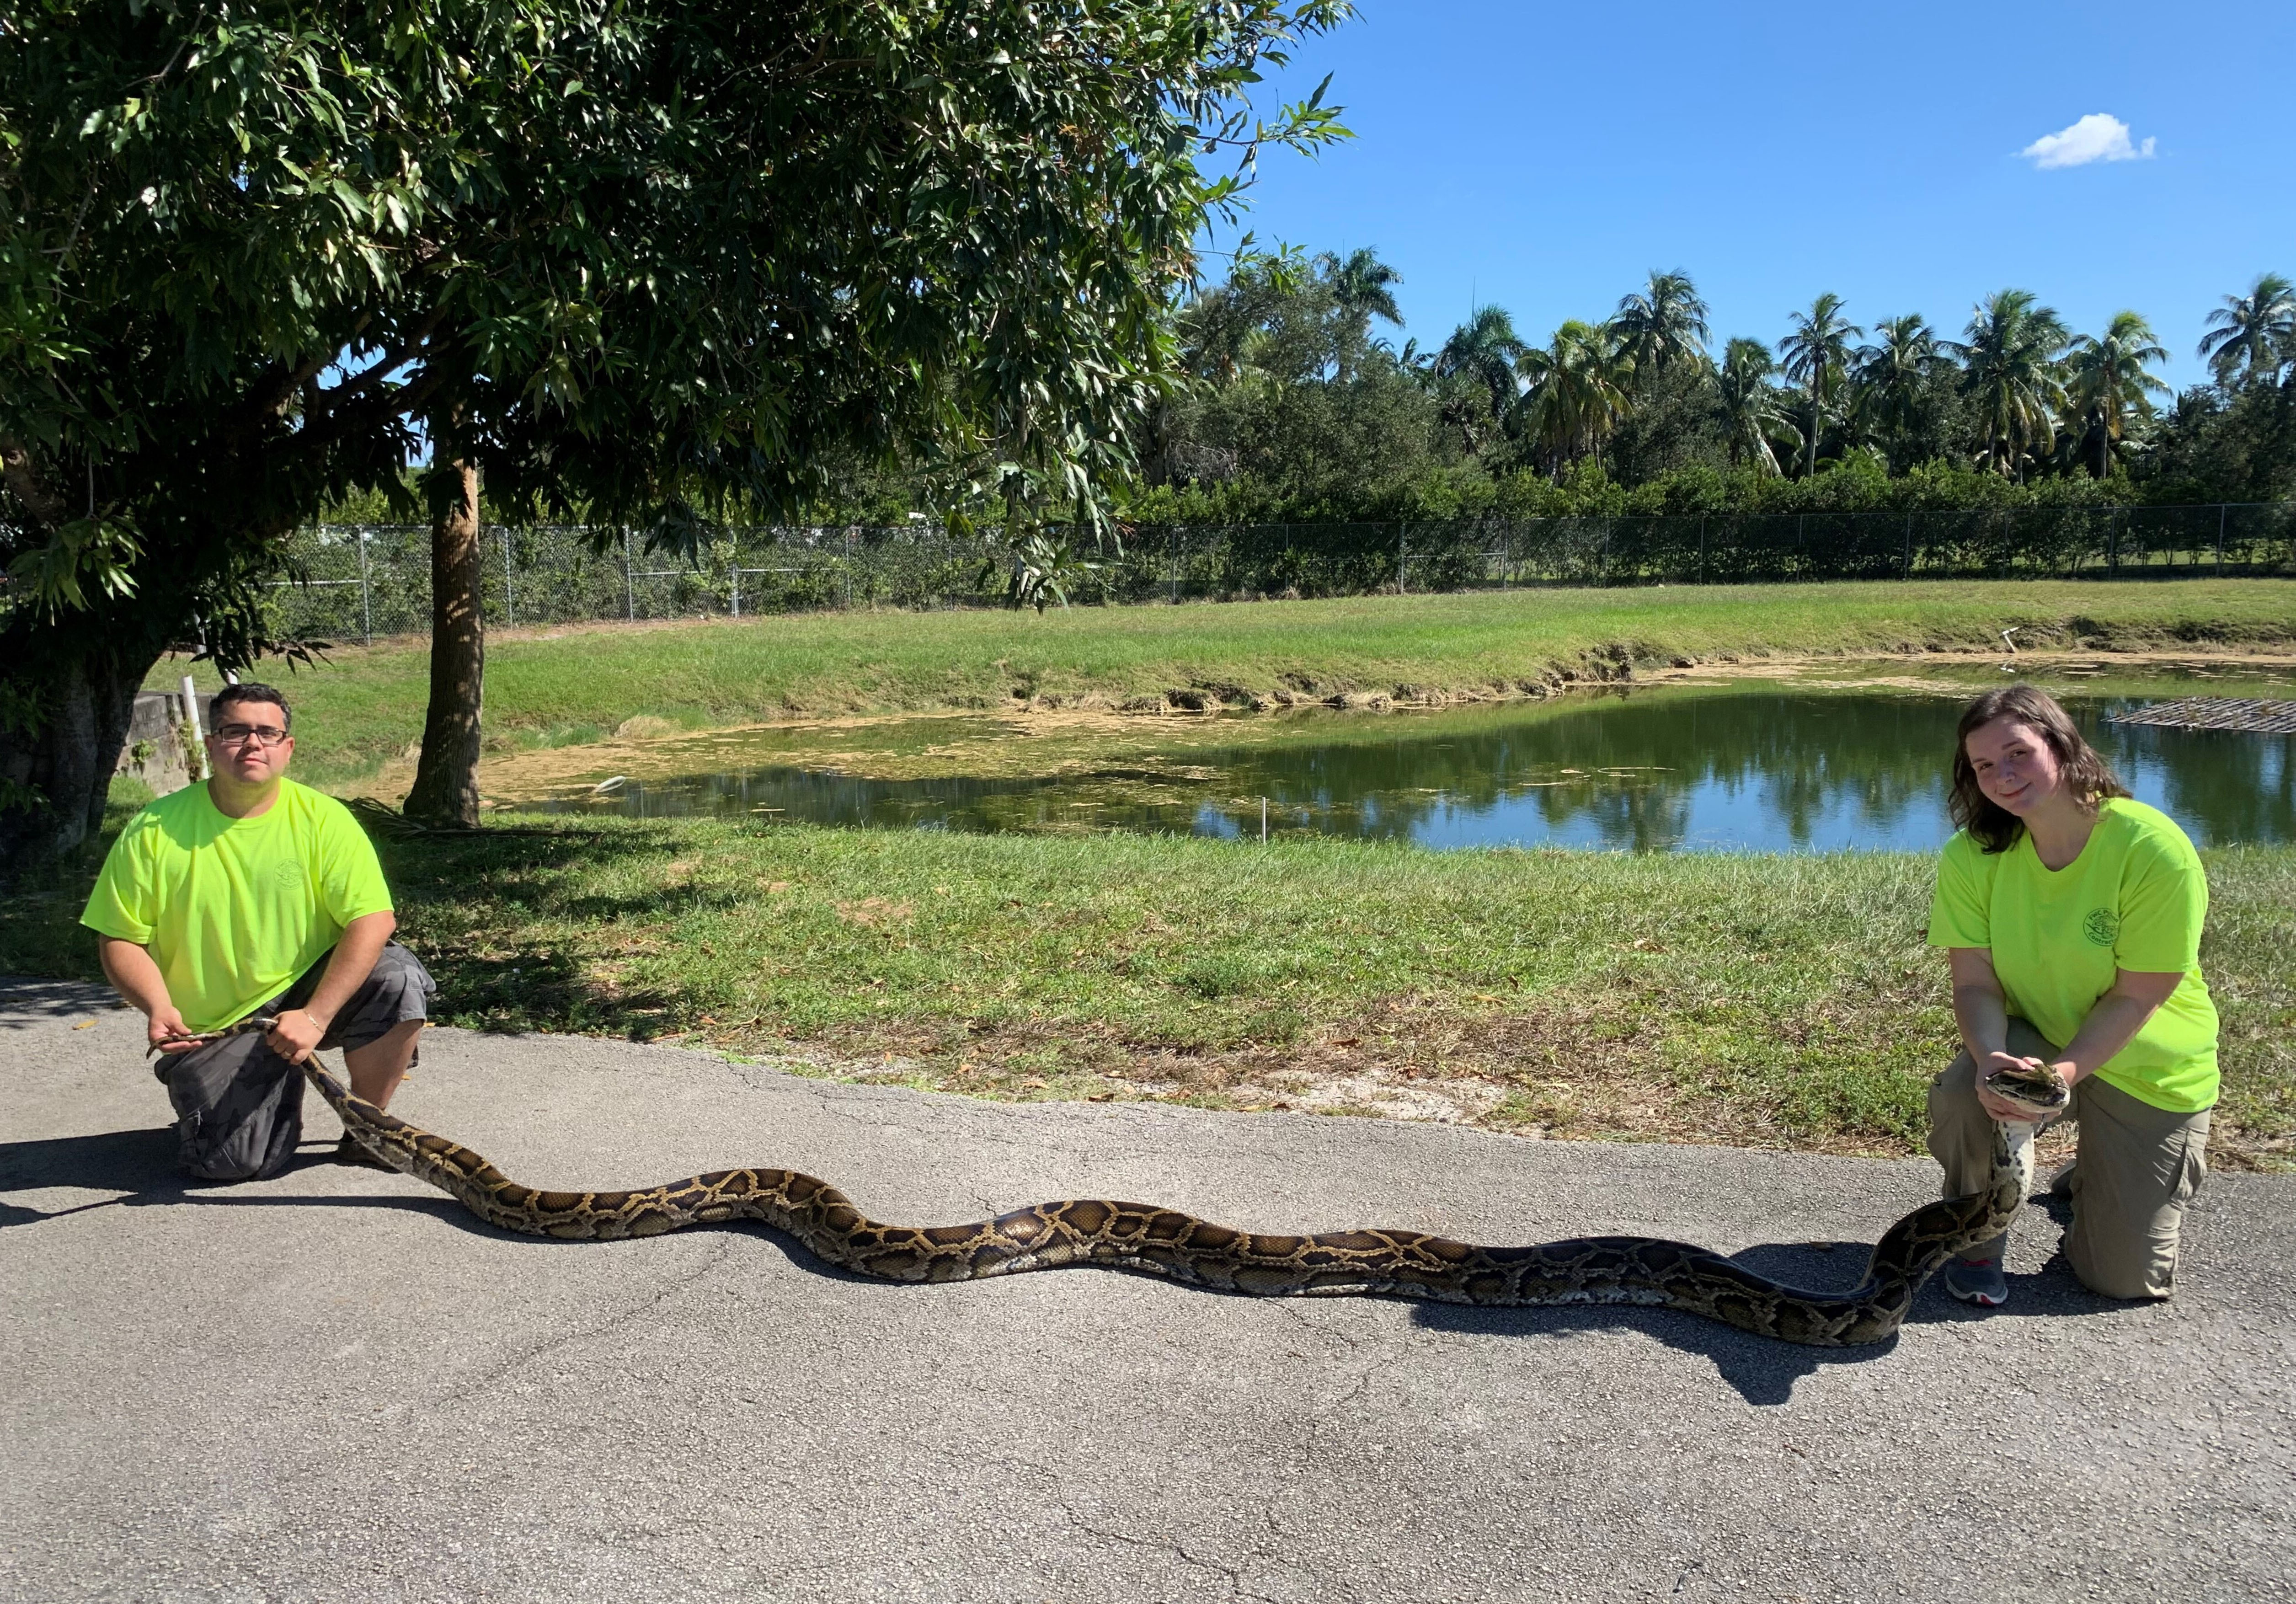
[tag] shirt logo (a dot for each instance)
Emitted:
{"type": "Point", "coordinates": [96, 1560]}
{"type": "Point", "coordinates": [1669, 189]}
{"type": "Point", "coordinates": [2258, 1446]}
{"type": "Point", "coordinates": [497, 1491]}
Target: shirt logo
{"type": "Point", "coordinates": [289, 878]}
{"type": "Point", "coordinates": [2103, 926]}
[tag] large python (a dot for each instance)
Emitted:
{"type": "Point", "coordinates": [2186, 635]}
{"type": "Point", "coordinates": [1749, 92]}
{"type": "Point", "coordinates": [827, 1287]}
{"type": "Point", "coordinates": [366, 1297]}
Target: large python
{"type": "Point", "coordinates": [1161, 1241]}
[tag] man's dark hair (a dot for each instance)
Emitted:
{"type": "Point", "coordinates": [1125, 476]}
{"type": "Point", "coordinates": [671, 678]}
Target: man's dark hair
{"type": "Point", "coordinates": [248, 691]}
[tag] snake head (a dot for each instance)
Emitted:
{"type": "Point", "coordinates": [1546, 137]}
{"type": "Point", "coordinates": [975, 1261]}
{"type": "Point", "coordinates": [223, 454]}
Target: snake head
{"type": "Point", "coordinates": [2037, 1090]}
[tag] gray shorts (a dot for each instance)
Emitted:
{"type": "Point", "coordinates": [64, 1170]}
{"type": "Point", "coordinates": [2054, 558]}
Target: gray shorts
{"type": "Point", "coordinates": [239, 1105]}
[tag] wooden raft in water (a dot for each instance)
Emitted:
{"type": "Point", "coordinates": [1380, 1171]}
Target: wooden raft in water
{"type": "Point", "coordinates": [2216, 713]}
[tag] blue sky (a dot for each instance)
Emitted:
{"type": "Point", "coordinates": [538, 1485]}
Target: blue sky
{"type": "Point", "coordinates": [1546, 157]}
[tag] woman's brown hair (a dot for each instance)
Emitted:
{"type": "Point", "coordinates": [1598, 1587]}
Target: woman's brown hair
{"type": "Point", "coordinates": [2083, 770]}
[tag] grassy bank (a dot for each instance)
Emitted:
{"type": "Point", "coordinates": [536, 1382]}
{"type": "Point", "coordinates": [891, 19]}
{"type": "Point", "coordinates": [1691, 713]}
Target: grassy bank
{"type": "Point", "coordinates": [1760, 1000]}
{"type": "Point", "coordinates": [580, 682]}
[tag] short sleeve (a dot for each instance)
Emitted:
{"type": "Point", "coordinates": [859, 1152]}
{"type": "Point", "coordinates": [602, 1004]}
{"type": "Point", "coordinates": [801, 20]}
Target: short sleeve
{"type": "Point", "coordinates": [123, 902]}
{"type": "Point", "coordinates": [1960, 911]}
{"type": "Point", "coordinates": [2164, 901]}
{"type": "Point", "coordinates": [349, 875]}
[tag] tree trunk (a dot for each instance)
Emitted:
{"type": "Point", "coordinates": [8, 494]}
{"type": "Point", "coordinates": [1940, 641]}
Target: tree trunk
{"type": "Point", "coordinates": [61, 726]}
{"type": "Point", "coordinates": [447, 779]}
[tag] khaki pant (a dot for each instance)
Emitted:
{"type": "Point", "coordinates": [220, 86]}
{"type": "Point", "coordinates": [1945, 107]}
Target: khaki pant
{"type": "Point", "coordinates": [2137, 1166]}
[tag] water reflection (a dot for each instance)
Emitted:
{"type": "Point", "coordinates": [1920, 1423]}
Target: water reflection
{"type": "Point", "coordinates": [1760, 768]}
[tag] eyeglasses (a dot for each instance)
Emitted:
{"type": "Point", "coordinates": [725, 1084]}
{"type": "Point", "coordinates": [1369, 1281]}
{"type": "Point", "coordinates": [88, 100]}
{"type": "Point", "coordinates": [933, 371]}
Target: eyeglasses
{"type": "Point", "coordinates": [249, 734]}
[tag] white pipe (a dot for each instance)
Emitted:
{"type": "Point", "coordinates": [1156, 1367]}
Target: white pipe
{"type": "Point", "coordinates": [192, 711]}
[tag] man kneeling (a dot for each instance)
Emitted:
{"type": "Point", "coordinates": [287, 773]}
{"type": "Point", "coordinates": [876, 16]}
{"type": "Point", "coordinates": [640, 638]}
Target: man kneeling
{"type": "Point", "coordinates": [253, 894]}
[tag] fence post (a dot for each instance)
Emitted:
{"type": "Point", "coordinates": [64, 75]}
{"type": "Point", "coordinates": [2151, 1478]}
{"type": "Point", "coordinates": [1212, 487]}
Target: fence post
{"type": "Point", "coordinates": [848, 568]}
{"type": "Point", "coordinates": [1605, 575]}
{"type": "Point", "coordinates": [1701, 548]}
{"type": "Point", "coordinates": [2112, 539]}
{"type": "Point", "coordinates": [2222, 508]}
{"type": "Point", "coordinates": [1172, 563]}
{"type": "Point", "coordinates": [734, 573]}
{"type": "Point", "coordinates": [1907, 571]}
{"type": "Point", "coordinates": [1402, 557]}
{"type": "Point", "coordinates": [366, 605]}
{"type": "Point", "coordinates": [629, 584]}
{"type": "Point", "coordinates": [510, 597]}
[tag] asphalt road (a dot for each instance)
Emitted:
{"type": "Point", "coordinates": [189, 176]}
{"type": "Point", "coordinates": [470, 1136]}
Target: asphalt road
{"type": "Point", "coordinates": [335, 1385]}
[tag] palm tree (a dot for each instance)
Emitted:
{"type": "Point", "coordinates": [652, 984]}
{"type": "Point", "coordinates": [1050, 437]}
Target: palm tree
{"type": "Point", "coordinates": [1891, 373]}
{"type": "Point", "coordinates": [1362, 288]}
{"type": "Point", "coordinates": [2252, 336]}
{"type": "Point", "coordinates": [1817, 353]}
{"type": "Point", "coordinates": [1753, 409]}
{"type": "Point", "coordinates": [1485, 347]}
{"type": "Point", "coordinates": [2108, 382]}
{"type": "Point", "coordinates": [1577, 391]}
{"type": "Point", "coordinates": [1661, 324]}
{"type": "Point", "coordinates": [2009, 362]}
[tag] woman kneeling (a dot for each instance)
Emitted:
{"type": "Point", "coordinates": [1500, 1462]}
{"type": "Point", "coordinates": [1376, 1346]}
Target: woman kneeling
{"type": "Point", "coordinates": [2072, 915]}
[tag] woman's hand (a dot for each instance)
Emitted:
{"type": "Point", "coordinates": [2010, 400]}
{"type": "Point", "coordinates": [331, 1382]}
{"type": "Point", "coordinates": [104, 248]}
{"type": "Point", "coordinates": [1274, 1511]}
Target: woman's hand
{"type": "Point", "coordinates": [2006, 1112]}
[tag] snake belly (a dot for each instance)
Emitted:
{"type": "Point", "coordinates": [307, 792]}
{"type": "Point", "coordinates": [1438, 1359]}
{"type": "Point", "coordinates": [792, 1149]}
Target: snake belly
{"type": "Point", "coordinates": [1145, 1238]}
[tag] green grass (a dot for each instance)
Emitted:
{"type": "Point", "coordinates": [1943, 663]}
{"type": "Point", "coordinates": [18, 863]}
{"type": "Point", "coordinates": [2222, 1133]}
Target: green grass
{"type": "Point", "coordinates": [577, 683]}
{"type": "Point", "coordinates": [1754, 1000]}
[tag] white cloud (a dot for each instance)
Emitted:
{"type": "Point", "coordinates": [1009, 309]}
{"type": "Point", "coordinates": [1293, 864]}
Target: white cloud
{"type": "Point", "coordinates": [2095, 137]}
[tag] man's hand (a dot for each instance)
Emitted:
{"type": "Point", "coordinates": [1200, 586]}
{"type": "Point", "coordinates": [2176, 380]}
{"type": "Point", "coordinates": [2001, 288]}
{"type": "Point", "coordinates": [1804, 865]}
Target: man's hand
{"type": "Point", "coordinates": [165, 1024]}
{"type": "Point", "coordinates": [295, 1034]}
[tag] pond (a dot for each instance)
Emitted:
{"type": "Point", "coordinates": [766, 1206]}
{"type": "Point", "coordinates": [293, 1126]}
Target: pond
{"type": "Point", "coordinates": [1801, 764]}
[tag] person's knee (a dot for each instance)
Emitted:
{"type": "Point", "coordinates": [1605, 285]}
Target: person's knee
{"type": "Point", "coordinates": [400, 982]}
{"type": "Point", "coordinates": [219, 1173]}
{"type": "Point", "coordinates": [2129, 1284]}
{"type": "Point", "coordinates": [1953, 1095]}
{"type": "Point", "coordinates": [2137, 1273]}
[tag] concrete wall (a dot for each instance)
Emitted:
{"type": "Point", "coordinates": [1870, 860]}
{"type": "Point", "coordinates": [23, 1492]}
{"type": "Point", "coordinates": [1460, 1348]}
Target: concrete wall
{"type": "Point", "coordinates": [154, 752]}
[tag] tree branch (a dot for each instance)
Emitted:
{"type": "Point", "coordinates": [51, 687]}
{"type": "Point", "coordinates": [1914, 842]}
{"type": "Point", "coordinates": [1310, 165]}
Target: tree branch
{"type": "Point", "coordinates": [279, 386]}
{"type": "Point", "coordinates": [23, 478]}
{"type": "Point", "coordinates": [393, 358]}
{"type": "Point", "coordinates": [336, 424]}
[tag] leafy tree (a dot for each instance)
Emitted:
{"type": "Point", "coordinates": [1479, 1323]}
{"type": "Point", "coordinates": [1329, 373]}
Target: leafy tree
{"type": "Point", "coordinates": [1362, 287]}
{"type": "Point", "coordinates": [2224, 445]}
{"type": "Point", "coordinates": [1675, 425]}
{"type": "Point", "coordinates": [1485, 350]}
{"type": "Point", "coordinates": [1291, 401]}
{"type": "Point", "coordinates": [1661, 324]}
{"type": "Point", "coordinates": [2009, 355]}
{"type": "Point", "coordinates": [1754, 413]}
{"type": "Point", "coordinates": [2108, 382]}
{"type": "Point", "coordinates": [1816, 356]}
{"type": "Point", "coordinates": [1893, 379]}
{"type": "Point", "coordinates": [626, 260]}
{"type": "Point", "coordinates": [2252, 337]}
{"type": "Point", "coordinates": [1576, 392]}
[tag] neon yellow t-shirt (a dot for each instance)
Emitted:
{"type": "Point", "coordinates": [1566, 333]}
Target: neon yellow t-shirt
{"type": "Point", "coordinates": [234, 909]}
{"type": "Point", "coordinates": [2134, 899]}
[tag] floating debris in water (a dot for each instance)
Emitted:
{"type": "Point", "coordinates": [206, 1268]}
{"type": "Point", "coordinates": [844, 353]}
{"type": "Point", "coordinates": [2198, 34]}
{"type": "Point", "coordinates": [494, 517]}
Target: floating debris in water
{"type": "Point", "coordinates": [2216, 713]}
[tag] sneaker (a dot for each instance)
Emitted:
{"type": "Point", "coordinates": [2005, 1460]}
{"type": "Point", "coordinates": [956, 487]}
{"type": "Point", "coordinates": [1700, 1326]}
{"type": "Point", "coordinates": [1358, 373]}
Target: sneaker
{"type": "Point", "coordinates": [1979, 1281]}
{"type": "Point", "coordinates": [348, 1152]}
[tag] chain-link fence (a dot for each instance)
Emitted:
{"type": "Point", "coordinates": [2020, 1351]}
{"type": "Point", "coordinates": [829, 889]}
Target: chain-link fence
{"type": "Point", "coordinates": [355, 583]}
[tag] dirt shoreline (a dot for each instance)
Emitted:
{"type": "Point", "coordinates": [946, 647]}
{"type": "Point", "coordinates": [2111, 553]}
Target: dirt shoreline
{"type": "Point", "coordinates": [645, 747]}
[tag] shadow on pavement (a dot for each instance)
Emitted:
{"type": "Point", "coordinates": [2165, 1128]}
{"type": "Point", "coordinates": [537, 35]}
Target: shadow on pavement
{"type": "Point", "coordinates": [139, 1167]}
{"type": "Point", "coordinates": [27, 1004]}
{"type": "Point", "coordinates": [1762, 1370]}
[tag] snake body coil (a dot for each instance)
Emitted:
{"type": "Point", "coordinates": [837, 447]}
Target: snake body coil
{"type": "Point", "coordinates": [1161, 1241]}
